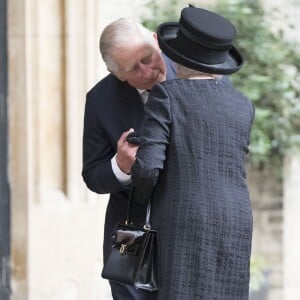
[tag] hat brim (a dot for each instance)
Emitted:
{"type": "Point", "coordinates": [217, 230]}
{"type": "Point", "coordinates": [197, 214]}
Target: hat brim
{"type": "Point", "coordinates": [166, 34]}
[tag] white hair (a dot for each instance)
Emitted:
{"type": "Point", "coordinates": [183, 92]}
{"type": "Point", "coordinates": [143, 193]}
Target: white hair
{"type": "Point", "coordinates": [184, 72]}
{"type": "Point", "coordinates": [119, 34]}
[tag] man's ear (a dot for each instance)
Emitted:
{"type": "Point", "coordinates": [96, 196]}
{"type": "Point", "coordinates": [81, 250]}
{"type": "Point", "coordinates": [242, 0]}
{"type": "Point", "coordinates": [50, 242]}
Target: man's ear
{"type": "Point", "coordinates": [156, 40]}
{"type": "Point", "coordinates": [155, 37]}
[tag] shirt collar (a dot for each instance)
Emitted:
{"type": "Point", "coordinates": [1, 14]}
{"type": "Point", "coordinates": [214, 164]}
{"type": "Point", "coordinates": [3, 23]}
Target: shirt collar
{"type": "Point", "coordinates": [141, 91]}
{"type": "Point", "coordinates": [144, 95]}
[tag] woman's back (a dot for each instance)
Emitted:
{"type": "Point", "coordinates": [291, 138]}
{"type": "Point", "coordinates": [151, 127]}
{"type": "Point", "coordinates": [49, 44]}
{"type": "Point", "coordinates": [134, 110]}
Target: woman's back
{"type": "Point", "coordinates": [200, 129]}
{"type": "Point", "coordinates": [210, 131]}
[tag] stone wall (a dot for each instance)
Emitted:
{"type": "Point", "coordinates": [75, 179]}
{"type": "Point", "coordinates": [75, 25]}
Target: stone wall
{"type": "Point", "coordinates": [266, 199]}
{"type": "Point", "coordinates": [56, 223]}
{"type": "Point", "coordinates": [291, 228]}
{"type": "Point", "coordinates": [276, 211]}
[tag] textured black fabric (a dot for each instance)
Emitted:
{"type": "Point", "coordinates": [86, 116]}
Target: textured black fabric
{"type": "Point", "coordinates": [194, 140]}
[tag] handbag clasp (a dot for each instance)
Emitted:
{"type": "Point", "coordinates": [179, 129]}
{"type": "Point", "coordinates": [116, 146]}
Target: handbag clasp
{"type": "Point", "coordinates": [123, 249]}
{"type": "Point", "coordinates": [147, 227]}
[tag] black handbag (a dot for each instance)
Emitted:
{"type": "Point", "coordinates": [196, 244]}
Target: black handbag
{"type": "Point", "coordinates": [134, 256]}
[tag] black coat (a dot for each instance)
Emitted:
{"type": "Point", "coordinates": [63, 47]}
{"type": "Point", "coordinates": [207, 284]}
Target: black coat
{"type": "Point", "coordinates": [194, 141]}
{"type": "Point", "coordinates": [112, 107]}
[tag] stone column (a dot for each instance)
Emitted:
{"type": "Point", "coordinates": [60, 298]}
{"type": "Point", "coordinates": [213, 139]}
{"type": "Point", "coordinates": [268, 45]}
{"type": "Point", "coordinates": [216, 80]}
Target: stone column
{"type": "Point", "coordinates": [291, 228]}
{"type": "Point", "coordinates": [56, 223]}
{"type": "Point", "coordinates": [49, 99]}
{"type": "Point", "coordinates": [79, 31]}
{"type": "Point", "coordinates": [36, 122]}
{"type": "Point", "coordinates": [18, 147]}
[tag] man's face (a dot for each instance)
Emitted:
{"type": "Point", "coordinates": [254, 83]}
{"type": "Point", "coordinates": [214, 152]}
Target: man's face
{"type": "Point", "coordinates": [140, 64]}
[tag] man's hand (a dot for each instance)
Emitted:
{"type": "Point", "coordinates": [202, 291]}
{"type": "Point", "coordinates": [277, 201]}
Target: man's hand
{"type": "Point", "coordinates": [126, 152]}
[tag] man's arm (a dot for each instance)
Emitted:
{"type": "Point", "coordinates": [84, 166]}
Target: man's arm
{"type": "Point", "coordinates": [121, 176]}
{"type": "Point", "coordinates": [105, 169]}
{"type": "Point", "coordinates": [97, 152]}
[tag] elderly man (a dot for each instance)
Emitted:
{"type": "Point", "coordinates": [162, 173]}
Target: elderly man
{"type": "Point", "coordinates": [114, 107]}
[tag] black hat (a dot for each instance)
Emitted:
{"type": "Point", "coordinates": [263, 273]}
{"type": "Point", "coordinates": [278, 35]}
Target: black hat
{"type": "Point", "coordinates": [202, 40]}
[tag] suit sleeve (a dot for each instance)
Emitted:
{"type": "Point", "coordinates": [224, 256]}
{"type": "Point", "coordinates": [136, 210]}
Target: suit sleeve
{"type": "Point", "coordinates": [97, 153]}
{"type": "Point", "coordinates": [155, 134]}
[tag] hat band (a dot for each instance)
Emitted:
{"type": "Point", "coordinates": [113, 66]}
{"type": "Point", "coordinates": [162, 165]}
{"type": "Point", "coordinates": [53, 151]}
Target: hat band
{"type": "Point", "coordinates": [204, 42]}
{"type": "Point", "coordinates": [198, 52]}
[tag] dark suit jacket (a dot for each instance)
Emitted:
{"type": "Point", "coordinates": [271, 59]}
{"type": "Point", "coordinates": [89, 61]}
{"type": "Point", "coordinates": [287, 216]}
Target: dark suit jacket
{"type": "Point", "coordinates": [112, 107]}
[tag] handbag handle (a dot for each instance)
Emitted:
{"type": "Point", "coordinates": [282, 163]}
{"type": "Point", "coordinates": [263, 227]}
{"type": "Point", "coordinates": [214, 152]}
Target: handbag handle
{"type": "Point", "coordinates": [128, 221]}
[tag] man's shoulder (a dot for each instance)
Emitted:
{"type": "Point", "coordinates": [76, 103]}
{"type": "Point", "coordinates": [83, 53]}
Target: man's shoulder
{"type": "Point", "coordinates": [110, 86]}
{"type": "Point", "coordinates": [103, 85]}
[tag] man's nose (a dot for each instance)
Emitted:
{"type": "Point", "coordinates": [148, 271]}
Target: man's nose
{"type": "Point", "coordinates": [146, 71]}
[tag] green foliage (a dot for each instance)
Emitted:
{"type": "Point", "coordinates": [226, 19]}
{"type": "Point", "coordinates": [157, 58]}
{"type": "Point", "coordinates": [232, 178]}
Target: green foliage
{"type": "Point", "coordinates": [163, 12]}
{"type": "Point", "coordinates": [270, 77]}
{"type": "Point", "coordinates": [257, 269]}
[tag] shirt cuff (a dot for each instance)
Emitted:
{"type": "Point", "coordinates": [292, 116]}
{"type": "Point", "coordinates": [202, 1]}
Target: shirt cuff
{"type": "Point", "coordinates": [121, 176]}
